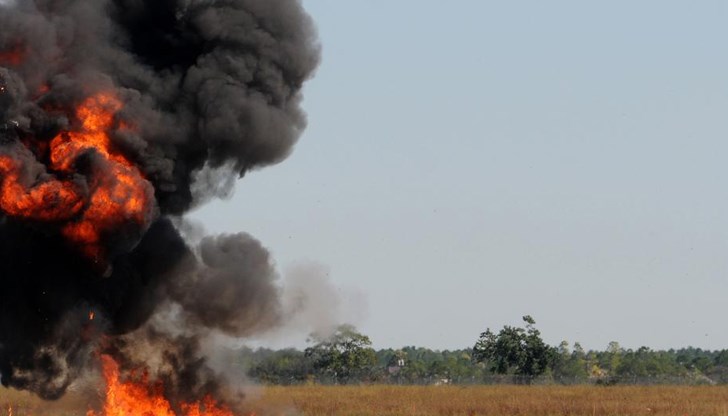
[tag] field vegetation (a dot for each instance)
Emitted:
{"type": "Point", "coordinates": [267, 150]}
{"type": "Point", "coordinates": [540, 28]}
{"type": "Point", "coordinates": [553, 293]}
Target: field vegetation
{"type": "Point", "coordinates": [386, 400]}
{"type": "Point", "coordinates": [515, 355]}
{"type": "Point", "coordinates": [507, 372]}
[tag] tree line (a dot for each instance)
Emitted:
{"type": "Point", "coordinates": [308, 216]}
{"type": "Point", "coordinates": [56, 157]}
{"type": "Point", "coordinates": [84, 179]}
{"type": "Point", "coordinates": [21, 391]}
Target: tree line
{"type": "Point", "coordinates": [512, 355]}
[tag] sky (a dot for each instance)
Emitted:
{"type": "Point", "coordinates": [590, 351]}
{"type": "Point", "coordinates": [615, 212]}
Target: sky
{"type": "Point", "coordinates": [470, 162]}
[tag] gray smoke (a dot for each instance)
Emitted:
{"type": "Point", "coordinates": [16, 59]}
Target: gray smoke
{"type": "Point", "coordinates": [232, 288]}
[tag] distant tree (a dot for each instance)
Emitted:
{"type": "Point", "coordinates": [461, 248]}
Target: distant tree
{"type": "Point", "coordinates": [514, 350]}
{"type": "Point", "coordinates": [611, 359]}
{"type": "Point", "coordinates": [460, 366]}
{"type": "Point", "coordinates": [344, 356]}
{"type": "Point", "coordinates": [719, 372]}
{"type": "Point", "coordinates": [287, 366]}
{"type": "Point", "coordinates": [570, 366]}
{"type": "Point", "coordinates": [645, 363]}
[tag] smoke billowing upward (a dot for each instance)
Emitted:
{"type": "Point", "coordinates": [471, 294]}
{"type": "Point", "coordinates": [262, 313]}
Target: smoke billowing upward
{"type": "Point", "coordinates": [109, 109]}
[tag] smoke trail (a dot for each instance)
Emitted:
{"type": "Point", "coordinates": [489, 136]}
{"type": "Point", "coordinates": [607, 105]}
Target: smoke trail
{"type": "Point", "coordinates": [108, 111]}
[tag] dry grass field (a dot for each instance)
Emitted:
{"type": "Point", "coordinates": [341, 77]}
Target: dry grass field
{"type": "Point", "coordinates": [446, 400]}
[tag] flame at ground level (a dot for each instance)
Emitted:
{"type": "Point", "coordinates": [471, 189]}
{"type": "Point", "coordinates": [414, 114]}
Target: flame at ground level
{"type": "Point", "coordinates": [140, 398]}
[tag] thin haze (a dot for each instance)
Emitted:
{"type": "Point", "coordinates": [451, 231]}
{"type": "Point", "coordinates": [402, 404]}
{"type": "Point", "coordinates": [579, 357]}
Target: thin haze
{"type": "Point", "coordinates": [470, 162]}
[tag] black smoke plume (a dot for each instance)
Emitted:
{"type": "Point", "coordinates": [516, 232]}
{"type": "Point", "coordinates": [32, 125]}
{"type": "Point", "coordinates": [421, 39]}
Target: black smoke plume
{"type": "Point", "coordinates": [206, 85]}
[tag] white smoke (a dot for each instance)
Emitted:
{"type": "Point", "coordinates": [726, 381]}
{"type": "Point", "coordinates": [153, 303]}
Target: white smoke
{"type": "Point", "coordinates": [312, 304]}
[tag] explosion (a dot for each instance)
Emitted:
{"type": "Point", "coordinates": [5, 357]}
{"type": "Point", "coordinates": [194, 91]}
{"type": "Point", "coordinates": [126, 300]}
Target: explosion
{"type": "Point", "coordinates": [111, 113]}
{"type": "Point", "coordinates": [141, 398]}
{"type": "Point", "coordinates": [118, 193]}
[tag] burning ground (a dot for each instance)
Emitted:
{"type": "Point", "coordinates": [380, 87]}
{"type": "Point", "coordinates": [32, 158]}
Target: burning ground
{"type": "Point", "coordinates": [109, 112]}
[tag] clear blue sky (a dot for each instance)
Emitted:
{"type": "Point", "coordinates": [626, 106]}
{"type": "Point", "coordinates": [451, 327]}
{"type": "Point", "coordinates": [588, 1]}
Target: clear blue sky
{"type": "Point", "coordinates": [470, 162]}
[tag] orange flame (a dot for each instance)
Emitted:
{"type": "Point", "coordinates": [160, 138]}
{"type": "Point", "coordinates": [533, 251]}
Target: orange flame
{"type": "Point", "coordinates": [118, 193]}
{"type": "Point", "coordinates": [122, 194]}
{"type": "Point", "coordinates": [91, 316]}
{"type": "Point", "coordinates": [48, 201]}
{"type": "Point", "coordinates": [126, 398]}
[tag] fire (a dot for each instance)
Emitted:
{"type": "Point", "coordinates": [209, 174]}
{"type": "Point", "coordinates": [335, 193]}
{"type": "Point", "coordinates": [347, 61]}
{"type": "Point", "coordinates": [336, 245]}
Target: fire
{"type": "Point", "coordinates": [140, 398]}
{"type": "Point", "coordinates": [91, 316]}
{"type": "Point", "coordinates": [117, 196]}
{"type": "Point", "coordinates": [52, 200]}
{"type": "Point", "coordinates": [12, 57]}
{"type": "Point", "coordinates": [121, 193]}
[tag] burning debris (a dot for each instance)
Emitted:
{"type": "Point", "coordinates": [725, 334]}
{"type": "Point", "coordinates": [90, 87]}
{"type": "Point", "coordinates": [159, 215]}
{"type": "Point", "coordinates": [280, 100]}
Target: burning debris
{"type": "Point", "coordinates": [108, 110]}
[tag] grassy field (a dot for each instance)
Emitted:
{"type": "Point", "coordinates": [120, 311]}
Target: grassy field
{"type": "Point", "coordinates": [446, 400]}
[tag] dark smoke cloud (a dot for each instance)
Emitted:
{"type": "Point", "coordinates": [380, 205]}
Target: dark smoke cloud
{"type": "Point", "coordinates": [208, 85]}
{"type": "Point", "coordinates": [206, 82]}
{"type": "Point", "coordinates": [231, 288]}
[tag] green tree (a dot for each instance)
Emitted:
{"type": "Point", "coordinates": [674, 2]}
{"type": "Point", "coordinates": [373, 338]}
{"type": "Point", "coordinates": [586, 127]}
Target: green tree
{"type": "Point", "coordinates": [287, 366]}
{"type": "Point", "coordinates": [344, 356]}
{"type": "Point", "coordinates": [570, 366]}
{"type": "Point", "coordinates": [519, 351]}
{"type": "Point", "coordinates": [645, 363]}
{"type": "Point", "coordinates": [721, 358]}
{"type": "Point", "coordinates": [611, 359]}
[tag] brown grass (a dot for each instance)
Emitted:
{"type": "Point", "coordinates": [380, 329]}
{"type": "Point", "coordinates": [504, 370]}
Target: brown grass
{"type": "Point", "coordinates": [446, 400]}
{"type": "Point", "coordinates": [25, 404]}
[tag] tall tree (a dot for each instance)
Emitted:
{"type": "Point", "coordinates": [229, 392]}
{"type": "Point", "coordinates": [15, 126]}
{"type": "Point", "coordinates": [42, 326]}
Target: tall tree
{"type": "Point", "coordinates": [519, 351]}
{"type": "Point", "coordinates": [343, 356]}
